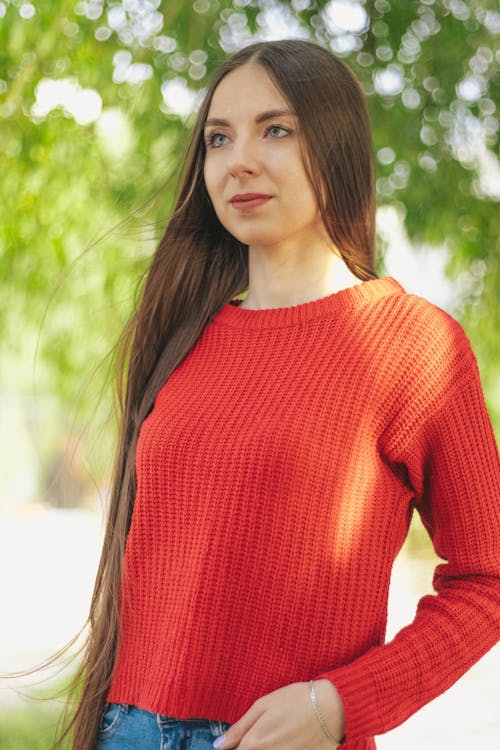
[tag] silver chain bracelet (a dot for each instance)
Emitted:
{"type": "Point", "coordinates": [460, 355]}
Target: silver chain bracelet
{"type": "Point", "coordinates": [314, 701]}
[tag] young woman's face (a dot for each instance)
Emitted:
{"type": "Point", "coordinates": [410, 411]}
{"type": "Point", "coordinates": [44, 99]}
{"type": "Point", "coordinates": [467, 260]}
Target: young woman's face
{"type": "Point", "coordinates": [246, 153]}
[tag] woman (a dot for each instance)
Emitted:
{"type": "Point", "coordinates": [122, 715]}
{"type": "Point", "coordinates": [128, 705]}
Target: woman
{"type": "Point", "coordinates": [272, 452]}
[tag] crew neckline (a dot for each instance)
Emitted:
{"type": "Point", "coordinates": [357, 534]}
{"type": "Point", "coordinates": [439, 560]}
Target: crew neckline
{"type": "Point", "coordinates": [231, 314]}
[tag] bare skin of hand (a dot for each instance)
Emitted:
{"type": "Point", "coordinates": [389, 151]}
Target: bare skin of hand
{"type": "Point", "coordinates": [285, 720]}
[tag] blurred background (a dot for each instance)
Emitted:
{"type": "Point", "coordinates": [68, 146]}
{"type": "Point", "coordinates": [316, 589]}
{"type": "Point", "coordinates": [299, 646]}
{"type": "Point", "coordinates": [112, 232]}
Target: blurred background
{"type": "Point", "coordinates": [96, 102]}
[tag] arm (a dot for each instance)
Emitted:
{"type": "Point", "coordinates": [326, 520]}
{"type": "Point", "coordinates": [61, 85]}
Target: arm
{"type": "Point", "coordinates": [452, 465]}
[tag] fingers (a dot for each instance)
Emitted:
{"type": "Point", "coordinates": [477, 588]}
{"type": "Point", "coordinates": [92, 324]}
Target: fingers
{"type": "Point", "coordinates": [233, 736]}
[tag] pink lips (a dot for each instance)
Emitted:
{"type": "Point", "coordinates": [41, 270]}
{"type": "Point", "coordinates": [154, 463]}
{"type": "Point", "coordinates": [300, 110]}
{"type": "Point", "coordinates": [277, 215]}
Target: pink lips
{"type": "Point", "coordinates": [247, 201]}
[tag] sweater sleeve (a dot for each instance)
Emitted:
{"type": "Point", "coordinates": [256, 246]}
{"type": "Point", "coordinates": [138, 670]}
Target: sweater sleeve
{"type": "Point", "coordinates": [443, 439]}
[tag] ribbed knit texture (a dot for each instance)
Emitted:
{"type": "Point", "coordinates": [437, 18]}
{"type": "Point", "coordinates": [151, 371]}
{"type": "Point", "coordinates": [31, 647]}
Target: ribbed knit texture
{"type": "Point", "coordinates": [277, 475]}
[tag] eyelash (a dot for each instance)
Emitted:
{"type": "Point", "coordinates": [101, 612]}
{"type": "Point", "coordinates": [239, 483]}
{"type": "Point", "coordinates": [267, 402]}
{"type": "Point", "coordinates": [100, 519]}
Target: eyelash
{"type": "Point", "coordinates": [210, 139]}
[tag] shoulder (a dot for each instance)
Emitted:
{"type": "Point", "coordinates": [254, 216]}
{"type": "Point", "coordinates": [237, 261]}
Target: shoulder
{"type": "Point", "coordinates": [417, 311]}
{"type": "Point", "coordinates": [424, 332]}
{"type": "Point", "coordinates": [425, 352]}
{"type": "Point", "coordinates": [433, 370]}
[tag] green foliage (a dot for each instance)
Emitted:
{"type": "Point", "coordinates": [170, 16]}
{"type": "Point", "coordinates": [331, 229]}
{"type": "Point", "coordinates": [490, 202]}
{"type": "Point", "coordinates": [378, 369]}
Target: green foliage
{"type": "Point", "coordinates": [83, 203]}
{"type": "Point", "coordinates": [41, 712]}
{"type": "Point", "coordinates": [30, 729]}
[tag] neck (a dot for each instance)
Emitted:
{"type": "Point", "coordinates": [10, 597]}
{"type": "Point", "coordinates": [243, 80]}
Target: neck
{"type": "Point", "coordinates": [294, 279]}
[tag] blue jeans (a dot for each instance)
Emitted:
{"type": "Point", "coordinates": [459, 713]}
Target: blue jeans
{"type": "Point", "coordinates": [125, 727]}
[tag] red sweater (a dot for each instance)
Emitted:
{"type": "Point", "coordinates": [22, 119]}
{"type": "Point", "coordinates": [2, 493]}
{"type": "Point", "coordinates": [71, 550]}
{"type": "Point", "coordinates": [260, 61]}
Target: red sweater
{"type": "Point", "coordinates": [277, 475]}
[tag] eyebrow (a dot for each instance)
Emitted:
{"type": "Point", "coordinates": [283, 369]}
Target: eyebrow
{"type": "Point", "coordinates": [262, 117]}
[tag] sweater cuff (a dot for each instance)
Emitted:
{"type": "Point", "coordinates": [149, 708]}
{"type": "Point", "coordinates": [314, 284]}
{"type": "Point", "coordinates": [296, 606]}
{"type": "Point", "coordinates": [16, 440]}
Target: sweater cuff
{"type": "Point", "coordinates": [358, 692]}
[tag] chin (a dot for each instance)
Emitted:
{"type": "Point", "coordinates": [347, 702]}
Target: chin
{"type": "Point", "coordinates": [254, 238]}
{"type": "Point", "coordinates": [250, 234]}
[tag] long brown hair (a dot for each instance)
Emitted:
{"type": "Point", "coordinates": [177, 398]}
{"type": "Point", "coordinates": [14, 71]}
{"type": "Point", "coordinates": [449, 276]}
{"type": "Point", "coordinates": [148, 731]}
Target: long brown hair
{"type": "Point", "coordinates": [197, 268]}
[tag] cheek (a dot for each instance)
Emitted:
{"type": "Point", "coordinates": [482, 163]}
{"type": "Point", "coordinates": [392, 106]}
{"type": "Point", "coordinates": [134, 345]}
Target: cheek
{"type": "Point", "coordinates": [211, 170]}
{"type": "Point", "coordinates": [210, 180]}
{"type": "Point", "coordinates": [291, 175]}
{"type": "Point", "coordinates": [214, 190]}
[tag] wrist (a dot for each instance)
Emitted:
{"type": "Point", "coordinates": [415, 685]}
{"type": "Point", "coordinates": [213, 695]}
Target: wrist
{"type": "Point", "coordinates": [331, 708]}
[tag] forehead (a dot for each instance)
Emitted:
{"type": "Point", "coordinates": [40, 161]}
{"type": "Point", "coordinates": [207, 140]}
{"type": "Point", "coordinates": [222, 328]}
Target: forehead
{"type": "Point", "coordinates": [247, 88]}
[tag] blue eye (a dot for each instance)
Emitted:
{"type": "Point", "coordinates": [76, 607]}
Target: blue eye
{"type": "Point", "coordinates": [277, 127]}
{"type": "Point", "coordinates": [211, 138]}
{"type": "Point", "coordinates": [211, 143]}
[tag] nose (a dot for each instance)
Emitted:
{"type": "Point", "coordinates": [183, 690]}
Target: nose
{"type": "Point", "coordinates": [243, 159]}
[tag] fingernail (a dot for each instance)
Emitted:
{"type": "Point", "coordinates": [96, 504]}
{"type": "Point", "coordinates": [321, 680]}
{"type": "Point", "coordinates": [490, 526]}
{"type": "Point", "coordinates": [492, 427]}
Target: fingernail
{"type": "Point", "coordinates": [219, 741]}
